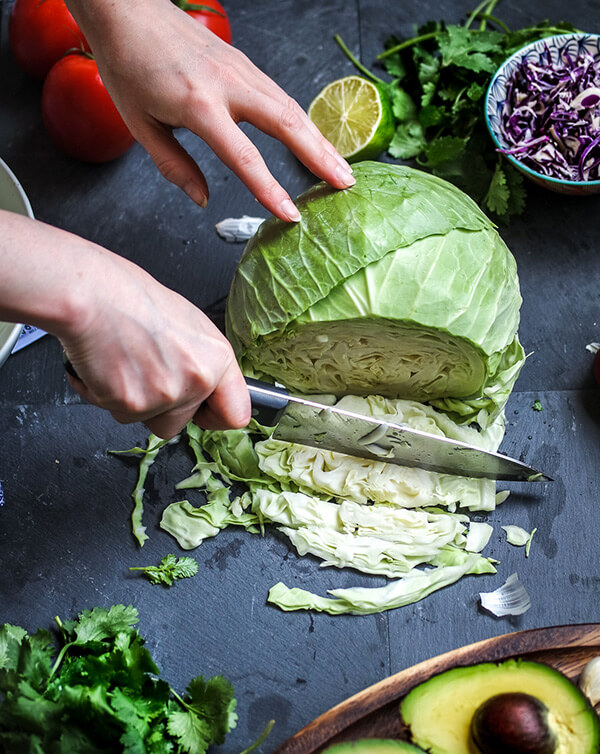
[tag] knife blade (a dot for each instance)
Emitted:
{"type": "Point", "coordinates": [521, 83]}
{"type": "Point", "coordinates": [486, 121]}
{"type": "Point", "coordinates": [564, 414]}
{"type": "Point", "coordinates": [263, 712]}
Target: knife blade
{"type": "Point", "coordinates": [308, 422]}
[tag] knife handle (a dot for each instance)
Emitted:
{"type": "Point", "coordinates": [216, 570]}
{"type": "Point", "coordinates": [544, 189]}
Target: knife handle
{"type": "Point", "coordinates": [268, 401]}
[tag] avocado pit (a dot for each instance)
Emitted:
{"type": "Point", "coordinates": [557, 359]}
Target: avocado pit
{"type": "Point", "coordinates": [513, 723]}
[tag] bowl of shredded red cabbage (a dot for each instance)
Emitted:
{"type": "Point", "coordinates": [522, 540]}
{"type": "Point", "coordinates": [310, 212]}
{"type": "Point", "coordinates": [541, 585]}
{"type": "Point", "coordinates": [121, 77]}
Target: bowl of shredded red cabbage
{"type": "Point", "coordinates": [542, 109]}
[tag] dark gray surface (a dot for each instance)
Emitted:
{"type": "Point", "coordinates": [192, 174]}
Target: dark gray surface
{"type": "Point", "coordinates": [65, 541]}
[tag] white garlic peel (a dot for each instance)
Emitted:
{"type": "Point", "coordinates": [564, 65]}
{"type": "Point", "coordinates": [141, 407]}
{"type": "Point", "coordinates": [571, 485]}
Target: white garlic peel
{"type": "Point", "coordinates": [238, 229]}
{"type": "Point", "coordinates": [589, 681]}
{"type": "Point", "coordinates": [509, 599]}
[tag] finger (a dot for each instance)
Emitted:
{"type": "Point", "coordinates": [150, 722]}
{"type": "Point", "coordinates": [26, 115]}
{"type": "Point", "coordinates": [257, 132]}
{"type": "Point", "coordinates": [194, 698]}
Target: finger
{"type": "Point", "coordinates": [170, 423]}
{"type": "Point", "coordinates": [80, 387]}
{"type": "Point", "coordinates": [286, 121]}
{"type": "Point", "coordinates": [228, 407]}
{"type": "Point", "coordinates": [174, 163]}
{"type": "Point", "coordinates": [238, 152]}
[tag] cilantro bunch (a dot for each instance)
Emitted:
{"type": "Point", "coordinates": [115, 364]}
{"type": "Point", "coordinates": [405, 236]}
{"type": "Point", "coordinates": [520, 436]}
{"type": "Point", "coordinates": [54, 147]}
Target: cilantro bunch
{"type": "Point", "coordinates": [439, 81]}
{"type": "Point", "coordinates": [101, 693]}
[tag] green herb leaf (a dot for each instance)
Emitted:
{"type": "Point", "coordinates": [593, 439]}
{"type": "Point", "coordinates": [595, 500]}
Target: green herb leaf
{"type": "Point", "coordinates": [169, 570]}
{"type": "Point", "coordinates": [101, 693]}
{"type": "Point", "coordinates": [445, 70]}
{"type": "Point", "coordinates": [470, 49]}
{"type": "Point", "coordinates": [498, 195]}
{"type": "Point", "coordinates": [408, 141]}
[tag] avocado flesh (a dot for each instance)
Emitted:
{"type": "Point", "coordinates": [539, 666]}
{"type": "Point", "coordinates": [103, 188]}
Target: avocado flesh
{"type": "Point", "coordinates": [373, 746]}
{"type": "Point", "coordinates": [438, 712]}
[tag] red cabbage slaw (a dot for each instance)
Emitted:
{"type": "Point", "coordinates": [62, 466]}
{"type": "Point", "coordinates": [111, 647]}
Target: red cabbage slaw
{"type": "Point", "coordinates": [550, 121]}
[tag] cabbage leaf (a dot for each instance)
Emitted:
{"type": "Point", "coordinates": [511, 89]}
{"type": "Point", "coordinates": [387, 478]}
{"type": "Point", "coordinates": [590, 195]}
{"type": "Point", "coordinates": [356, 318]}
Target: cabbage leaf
{"type": "Point", "coordinates": [399, 286]}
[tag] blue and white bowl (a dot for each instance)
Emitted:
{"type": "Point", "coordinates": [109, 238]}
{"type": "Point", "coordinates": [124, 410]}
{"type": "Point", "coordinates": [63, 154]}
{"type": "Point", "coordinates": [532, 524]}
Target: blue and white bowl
{"type": "Point", "coordinates": [573, 44]}
{"type": "Point", "coordinates": [14, 199]}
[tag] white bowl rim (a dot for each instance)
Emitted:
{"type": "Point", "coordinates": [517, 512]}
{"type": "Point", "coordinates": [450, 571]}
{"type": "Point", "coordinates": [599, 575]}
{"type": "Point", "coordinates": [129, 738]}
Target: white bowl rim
{"type": "Point", "coordinates": [518, 54]}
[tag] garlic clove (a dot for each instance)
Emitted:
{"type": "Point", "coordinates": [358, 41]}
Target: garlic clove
{"type": "Point", "coordinates": [589, 680]}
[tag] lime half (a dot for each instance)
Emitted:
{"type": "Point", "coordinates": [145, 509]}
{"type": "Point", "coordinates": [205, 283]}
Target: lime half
{"type": "Point", "coordinates": [355, 115]}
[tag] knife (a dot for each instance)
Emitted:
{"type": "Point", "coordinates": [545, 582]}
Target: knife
{"type": "Point", "coordinates": [308, 422]}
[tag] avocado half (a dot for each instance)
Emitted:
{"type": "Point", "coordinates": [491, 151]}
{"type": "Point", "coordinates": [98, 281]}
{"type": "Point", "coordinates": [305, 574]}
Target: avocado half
{"type": "Point", "coordinates": [438, 713]}
{"type": "Point", "coordinates": [373, 746]}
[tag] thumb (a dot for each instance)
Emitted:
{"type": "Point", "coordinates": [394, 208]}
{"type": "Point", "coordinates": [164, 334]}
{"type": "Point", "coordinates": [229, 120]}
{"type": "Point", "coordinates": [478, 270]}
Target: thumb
{"type": "Point", "coordinates": [228, 406]}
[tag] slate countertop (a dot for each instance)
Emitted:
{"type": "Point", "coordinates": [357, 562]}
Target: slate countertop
{"type": "Point", "coordinates": [65, 540]}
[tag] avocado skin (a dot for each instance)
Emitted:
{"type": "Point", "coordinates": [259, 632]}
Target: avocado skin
{"type": "Point", "coordinates": [437, 713]}
{"type": "Point", "coordinates": [373, 746]}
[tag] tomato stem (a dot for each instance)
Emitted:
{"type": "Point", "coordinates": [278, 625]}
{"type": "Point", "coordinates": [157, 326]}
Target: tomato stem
{"type": "Point", "coordinates": [185, 5]}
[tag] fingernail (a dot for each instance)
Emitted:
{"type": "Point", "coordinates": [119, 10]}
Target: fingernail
{"type": "Point", "coordinates": [196, 193]}
{"type": "Point", "coordinates": [290, 210]}
{"type": "Point", "coordinates": [344, 176]}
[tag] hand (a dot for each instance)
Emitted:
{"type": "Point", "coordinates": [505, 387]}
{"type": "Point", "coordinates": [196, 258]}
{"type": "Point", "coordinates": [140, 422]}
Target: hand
{"type": "Point", "coordinates": [141, 351]}
{"type": "Point", "coordinates": [145, 353]}
{"type": "Point", "coordinates": [165, 71]}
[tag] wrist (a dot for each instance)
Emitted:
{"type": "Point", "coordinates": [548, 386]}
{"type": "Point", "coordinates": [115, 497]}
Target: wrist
{"type": "Point", "coordinates": [47, 275]}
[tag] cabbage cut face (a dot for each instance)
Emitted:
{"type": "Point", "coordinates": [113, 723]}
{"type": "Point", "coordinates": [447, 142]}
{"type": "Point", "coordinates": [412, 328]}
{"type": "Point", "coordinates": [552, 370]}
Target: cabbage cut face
{"type": "Point", "coordinates": [398, 286]}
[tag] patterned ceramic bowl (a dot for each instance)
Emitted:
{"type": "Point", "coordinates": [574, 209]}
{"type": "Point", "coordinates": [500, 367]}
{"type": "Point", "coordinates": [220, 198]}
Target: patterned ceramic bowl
{"type": "Point", "coordinates": [573, 44]}
{"type": "Point", "coordinates": [14, 199]}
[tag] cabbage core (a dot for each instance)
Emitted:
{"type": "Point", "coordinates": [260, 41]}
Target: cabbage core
{"type": "Point", "coordinates": [365, 356]}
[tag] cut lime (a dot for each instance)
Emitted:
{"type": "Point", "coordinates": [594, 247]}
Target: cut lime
{"type": "Point", "coordinates": [355, 115]}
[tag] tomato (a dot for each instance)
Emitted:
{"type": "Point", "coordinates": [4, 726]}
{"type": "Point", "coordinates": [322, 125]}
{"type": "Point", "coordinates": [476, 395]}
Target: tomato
{"type": "Point", "coordinates": [79, 114]}
{"type": "Point", "coordinates": [40, 32]}
{"type": "Point", "coordinates": [210, 13]}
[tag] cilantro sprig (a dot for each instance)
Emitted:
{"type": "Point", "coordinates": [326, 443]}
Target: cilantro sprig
{"type": "Point", "coordinates": [439, 78]}
{"type": "Point", "coordinates": [101, 691]}
{"type": "Point", "coordinates": [169, 570]}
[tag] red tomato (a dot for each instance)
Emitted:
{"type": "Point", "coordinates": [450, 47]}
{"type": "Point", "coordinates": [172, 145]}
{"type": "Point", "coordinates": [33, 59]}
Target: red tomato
{"type": "Point", "coordinates": [40, 32]}
{"type": "Point", "coordinates": [79, 114]}
{"type": "Point", "coordinates": [204, 12]}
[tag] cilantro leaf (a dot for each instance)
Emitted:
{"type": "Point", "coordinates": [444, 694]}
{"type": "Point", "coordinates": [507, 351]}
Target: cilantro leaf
{"type": "Point", "coordinates": [214, 701]}
{"type": "Point", "coordinates": [444, 70]}
{"type": "Point", "coordinates": [192, 733]}
{"type": "Point", "coordinates": [408, 141]}
{"type": "Point", "coordinates": [169, 570]}
{"type": "Point", "coordinates": [443, 149]}
{"type": "Point", "coordinates": [471, 49]}
{"type": "Point", "coordinates": [403, 106]}
{"type": "Point", "coordinates": [496, 199]}
{"type": "Point", "coordinates": [101, 623]}
{"type": "Point", "coordinates": [102, 693]}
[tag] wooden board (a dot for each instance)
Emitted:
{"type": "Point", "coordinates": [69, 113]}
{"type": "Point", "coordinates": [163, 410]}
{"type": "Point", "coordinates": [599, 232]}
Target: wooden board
{"type": "Point", "coordinates": [374, 711]}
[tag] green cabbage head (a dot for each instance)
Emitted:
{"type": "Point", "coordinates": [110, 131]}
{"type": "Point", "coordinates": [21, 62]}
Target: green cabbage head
{"type": "Point", "coordinates": [399, 286]}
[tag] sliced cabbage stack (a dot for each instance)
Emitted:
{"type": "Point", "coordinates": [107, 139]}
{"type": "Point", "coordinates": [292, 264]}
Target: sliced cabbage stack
{"type": "Point", "coordinates": [399, 286]}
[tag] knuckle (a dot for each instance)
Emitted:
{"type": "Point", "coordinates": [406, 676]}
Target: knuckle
{"type": "Point", "coordinates": [292, 116]}
{"type": "Point", "coordinates": [247, 156]}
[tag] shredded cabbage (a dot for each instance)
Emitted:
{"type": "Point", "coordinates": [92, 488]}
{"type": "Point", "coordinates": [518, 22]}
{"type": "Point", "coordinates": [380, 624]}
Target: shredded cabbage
{"type": "Point", "coordinates": [398, 298]}
{"type": "Point", "coordinates": [551, 115]}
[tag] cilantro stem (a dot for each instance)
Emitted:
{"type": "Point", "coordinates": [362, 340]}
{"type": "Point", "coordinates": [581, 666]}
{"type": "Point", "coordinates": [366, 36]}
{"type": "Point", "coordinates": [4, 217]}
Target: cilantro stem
{"type": "Point", "coordinates": [407, 43]}
{"type": "Point", "coordinates": [356, 62]}
{"type": "Point", "coordinates": [496, 21]}
{"type": "Point", "coordinates": [63, 651]}
{"type": "Point", "coordinates": [261, 738]}
{"type": "Point", "coordinates": [484, 8]}
{"type": "Point", "coordinates": [183, 703]}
